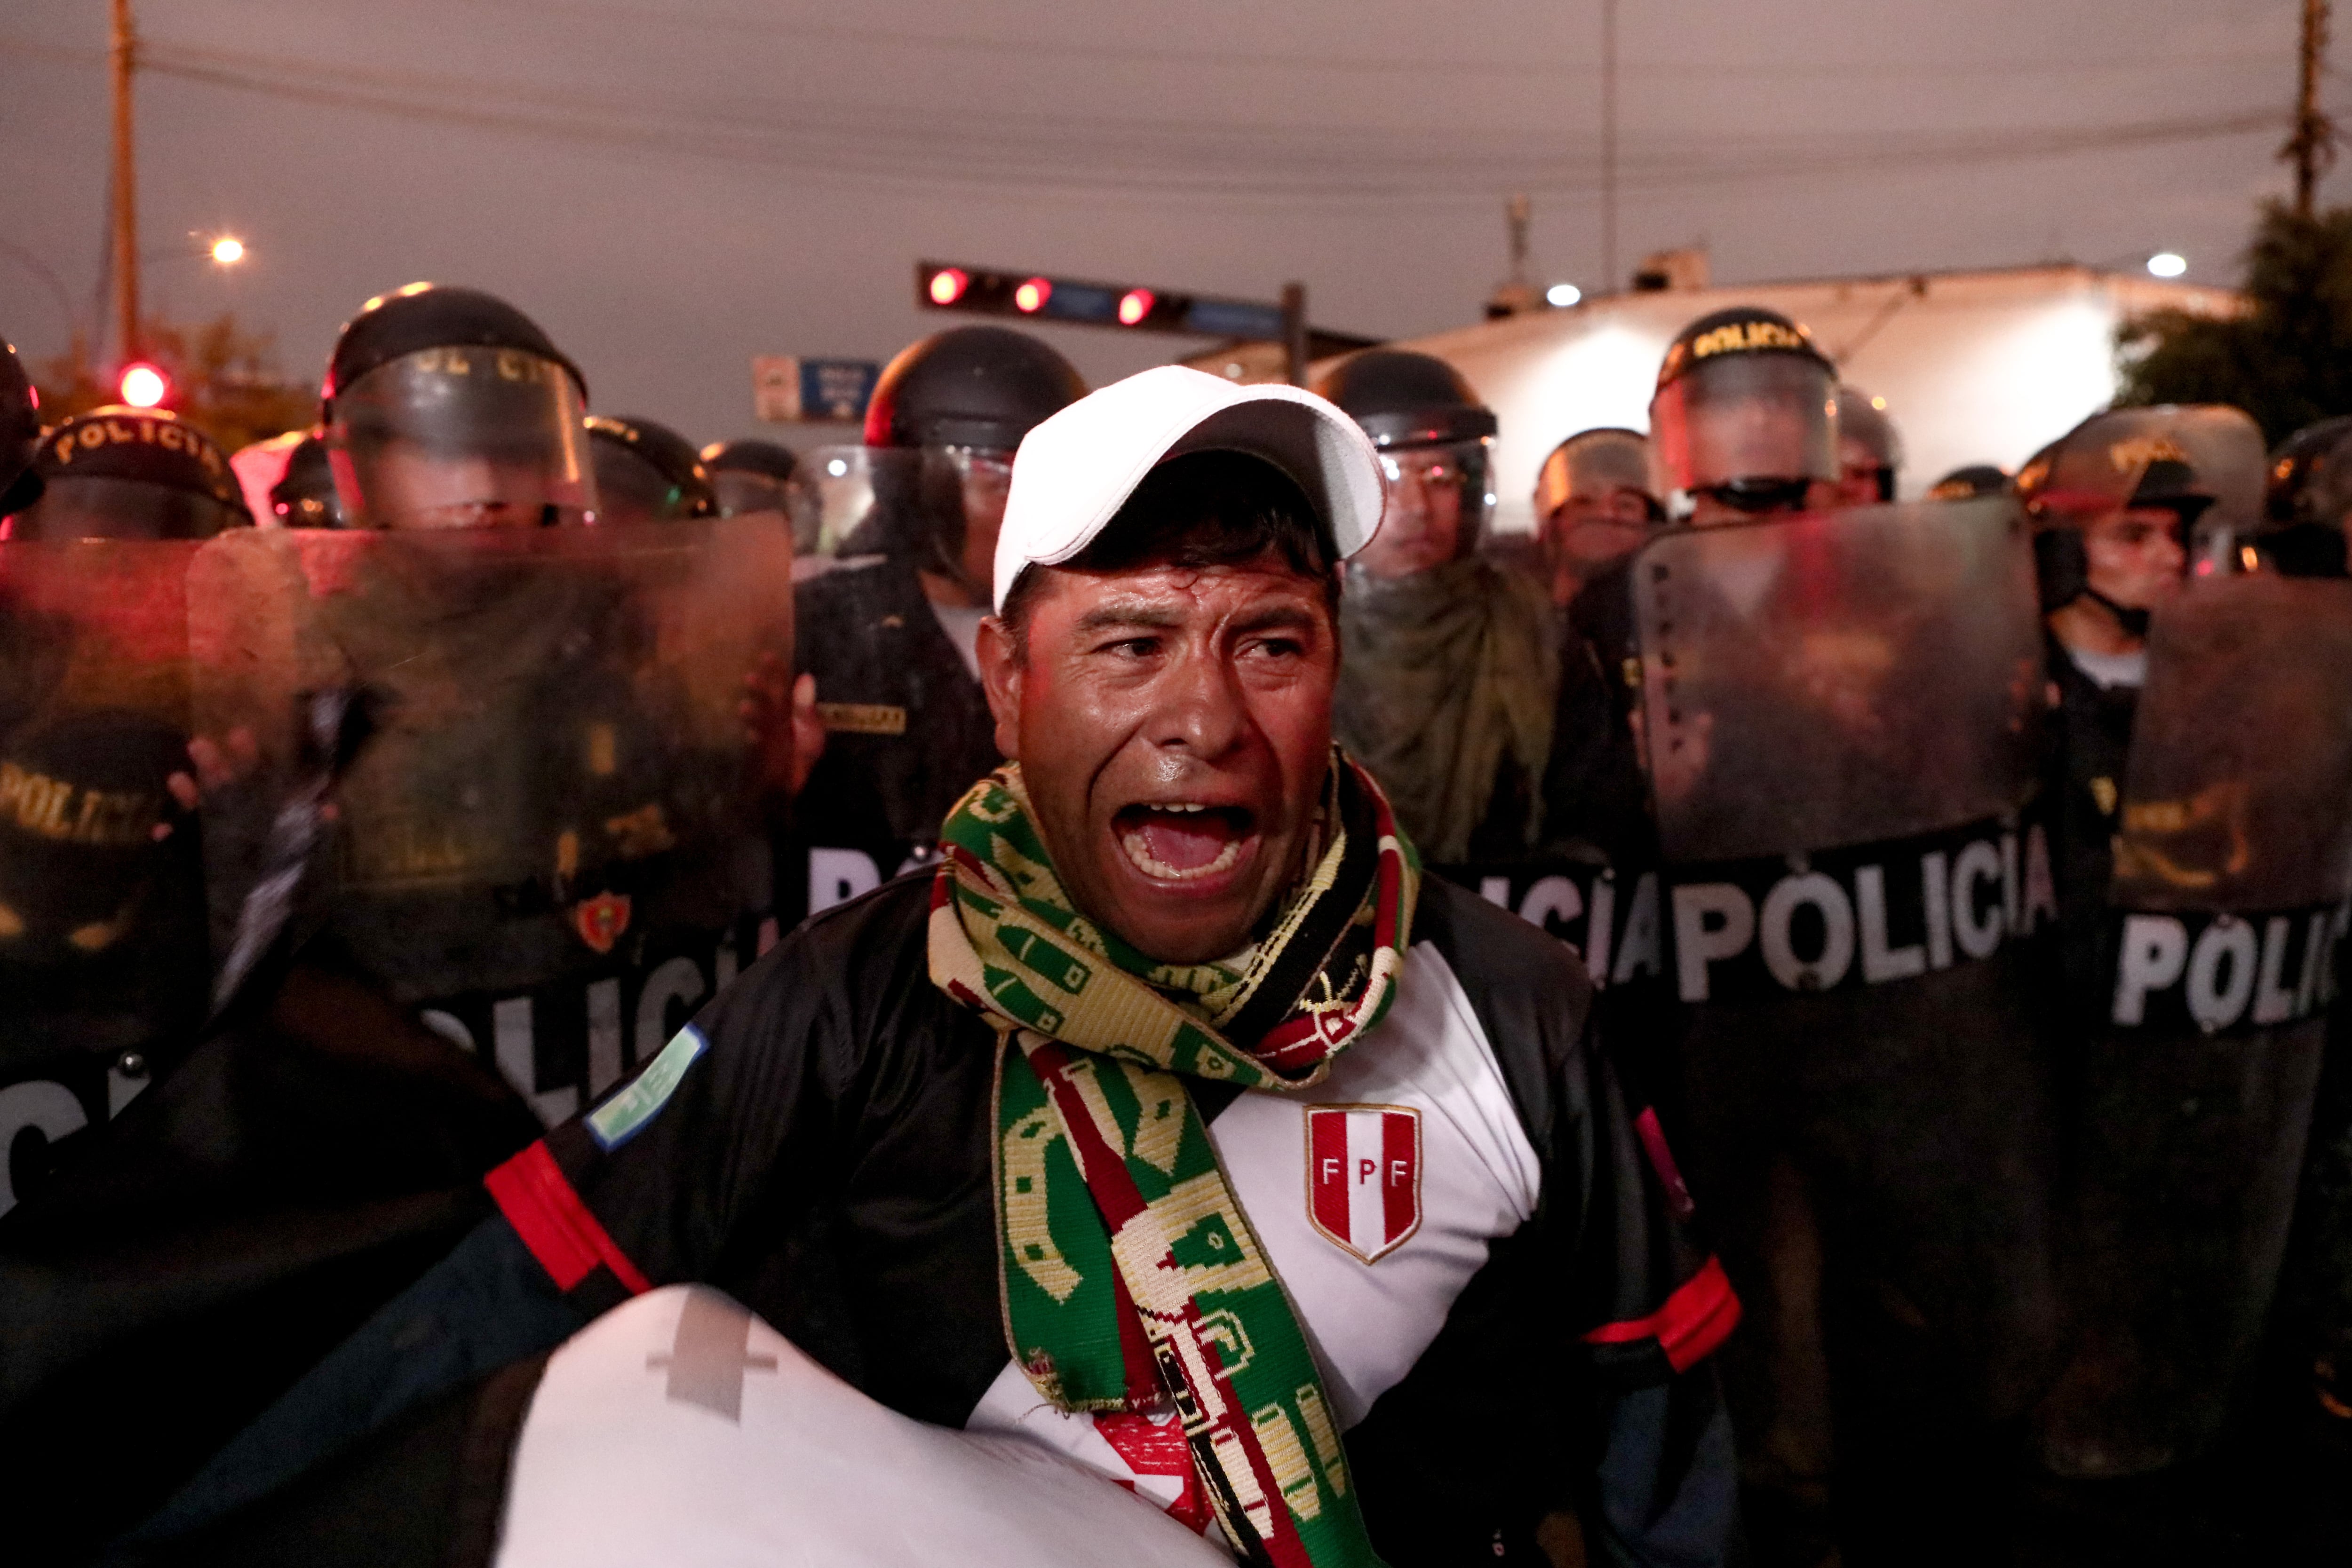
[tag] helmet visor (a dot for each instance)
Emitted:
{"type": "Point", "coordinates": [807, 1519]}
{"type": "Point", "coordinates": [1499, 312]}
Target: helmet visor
{"type": "Point", "coordinates": [107, 506]}
{"type": "Point", "coordinates": [462, 437]}
{"type": "Point", "coordinates": [1744, 417]}
{"type": "Point", "coordinates": [1440, 500]}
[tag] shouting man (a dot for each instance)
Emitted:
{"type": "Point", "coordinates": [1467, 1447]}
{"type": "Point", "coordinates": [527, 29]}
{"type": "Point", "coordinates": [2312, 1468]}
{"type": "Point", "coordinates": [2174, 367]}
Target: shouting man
{"type": "Point", "coordinates": [1173, 1122]}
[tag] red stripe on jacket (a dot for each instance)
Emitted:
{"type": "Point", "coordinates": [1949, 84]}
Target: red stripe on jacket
{"type": "Point", "coordinates": [537, 1200]}
{"type": "Point", "coordinates": [1696, 1318]}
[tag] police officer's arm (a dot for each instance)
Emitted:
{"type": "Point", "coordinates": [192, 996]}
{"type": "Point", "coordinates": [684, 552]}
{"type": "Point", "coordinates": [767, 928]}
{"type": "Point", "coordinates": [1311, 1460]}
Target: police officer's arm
{"type": "Point", "coordinates": [1649, 1308]}
{"type": "Point", "coordinates": [643, 1191]}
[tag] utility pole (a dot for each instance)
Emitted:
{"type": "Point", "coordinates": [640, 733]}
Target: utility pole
{"type": "Point", "coordinates": [1294, 333]}
{"type": "Point", "coordinates": [124, 47]}
{"type": "Point", "coordinates": [1609, 146]}
{"type": "Point", "coordinates": [2312, 148]}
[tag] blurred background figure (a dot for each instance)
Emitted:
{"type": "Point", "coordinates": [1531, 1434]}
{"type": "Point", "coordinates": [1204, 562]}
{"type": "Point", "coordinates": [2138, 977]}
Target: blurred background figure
{"type": "Point", "coordinates": [1451, 671]}
{"type": "Point", "coordinates": [646, 471]}
{"type": "Point", "coordinates": [130, 473]}
{"type": "Point", "coordinates": [1462, 688]}
{"type": "Point", "coordinates": [20, 433]}
{"type": "Point", "coordinates": [1744, 421]}
{"type": "Point", "coordinates": [751, 476]}
{"type": "Point", "coordinates": [1593, 506]}
{"type": "Point", "coordinates": [305, 496]}
{"type": "Point", "coordinates": [1969, 481]}
{"type": "Point", "coordinates": [2309, 506]}
{"type": "Point", "coordinates": [1870, 449]}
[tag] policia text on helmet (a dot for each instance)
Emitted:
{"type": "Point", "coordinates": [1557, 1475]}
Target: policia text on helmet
{"type": "Point", "coordinates": [1436, 442]}
{"type": "Point", "coordinates": [1744, 420]}
{"type": "Point", "coordinates": [447, 408]}
{"type": "Point", "coordinates": [2112, 504]}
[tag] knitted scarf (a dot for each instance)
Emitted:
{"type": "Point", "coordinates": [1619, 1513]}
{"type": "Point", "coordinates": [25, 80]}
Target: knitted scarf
{"type": "Point", "coordinates": [1130, 1276]}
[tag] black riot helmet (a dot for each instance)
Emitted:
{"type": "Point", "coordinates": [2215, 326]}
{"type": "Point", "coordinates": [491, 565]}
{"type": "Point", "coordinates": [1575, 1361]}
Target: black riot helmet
{"type": "Point", "coordinates": [977, 387]}
{"type": "Point", "coordinates": [929, 485]}
{"type": "Point", "coordinates": [646, 473]}
{"type": "Point", "coordinates": [2130, 459]}
{"type": "Point", "coordinates": [1971, 480]}
{"type": "Point", "coordinates": [304, 496]}
{"type": "Point", "coordinates": [1870, 449]}
{"type": "Point", "coordinates": [1435, 438]}
{"type": "Point", "coordinates": [20, 429]}
{"type": "Point", "coordinates": [448, 408]}
{"type": "Point", "coordinates": [2308, 506]}
{"type": "Point", "coordinates": [1744, 419]}
{"type": "Point", "coordinates": [131, 473]}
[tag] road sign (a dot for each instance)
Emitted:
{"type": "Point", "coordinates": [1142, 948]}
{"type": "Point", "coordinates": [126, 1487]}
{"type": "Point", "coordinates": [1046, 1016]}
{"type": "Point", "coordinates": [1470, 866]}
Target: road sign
{"type": "Point", "coordinates": [787, 389]}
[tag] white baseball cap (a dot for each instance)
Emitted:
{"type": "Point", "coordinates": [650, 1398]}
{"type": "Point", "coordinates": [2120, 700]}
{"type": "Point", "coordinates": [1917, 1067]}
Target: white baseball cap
{"type": "Point", "coordinates": [1075, 470]}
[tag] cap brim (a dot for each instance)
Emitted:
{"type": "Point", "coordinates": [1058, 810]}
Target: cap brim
{"type": "Point", "coordinates": [1075, 470]}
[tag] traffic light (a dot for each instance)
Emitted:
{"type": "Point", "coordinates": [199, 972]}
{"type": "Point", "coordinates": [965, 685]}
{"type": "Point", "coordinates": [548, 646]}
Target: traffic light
{"type": "Point", "coordinates": [941, 286]}
{"type": "Point", "coordinates": [143, 385]}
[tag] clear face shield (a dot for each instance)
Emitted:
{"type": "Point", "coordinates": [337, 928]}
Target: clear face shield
{"type": "Point", "coordinates": [106, 507]}
{"type": "Point", "coordinates": [1749, 434]}
{"type": "Point", "coordinates": [1440, 500]}
{"type": "Point", "coordinates": [742, 493]}
{"type": "Point", "coordinates": [462, 438]}
{"type": "Point", "coordinates": [938, 506]}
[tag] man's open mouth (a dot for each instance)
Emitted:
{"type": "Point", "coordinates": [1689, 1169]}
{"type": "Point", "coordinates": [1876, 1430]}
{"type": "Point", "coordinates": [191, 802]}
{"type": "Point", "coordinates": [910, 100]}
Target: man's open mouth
{"type": "Point", "coordinates": [1181, 841]}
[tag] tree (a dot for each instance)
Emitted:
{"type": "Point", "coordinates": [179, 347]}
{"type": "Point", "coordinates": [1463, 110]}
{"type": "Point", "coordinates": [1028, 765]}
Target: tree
{"type": "Point", "coordinates": [225, 380]}
{"type": "Point", "coordinates": [2286, 358]}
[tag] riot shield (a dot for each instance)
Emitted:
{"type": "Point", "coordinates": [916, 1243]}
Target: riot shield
{"type": "Point", "coordinates": [102, 944]}
{"type": "Point", "coordinates": [1840, 716]}
{"type": "Point", "coordinates": [551, 846]}
{"type": "Point", "coordinates": [2226, 907]}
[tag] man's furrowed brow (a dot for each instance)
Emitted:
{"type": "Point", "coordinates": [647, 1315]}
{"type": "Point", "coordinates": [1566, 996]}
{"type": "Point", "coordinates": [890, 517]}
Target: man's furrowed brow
{"type": "Point", "coordinates": [1132, 612]}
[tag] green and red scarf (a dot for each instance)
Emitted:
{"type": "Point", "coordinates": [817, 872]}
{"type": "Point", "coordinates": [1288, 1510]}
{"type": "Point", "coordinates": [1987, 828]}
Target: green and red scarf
{"type": "Point", "coordinates": [1131, 1279]}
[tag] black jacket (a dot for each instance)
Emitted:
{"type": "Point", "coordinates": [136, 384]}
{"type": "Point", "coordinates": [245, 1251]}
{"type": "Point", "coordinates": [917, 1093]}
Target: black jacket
{"type": "Point", "coordinates": [824, 1154]}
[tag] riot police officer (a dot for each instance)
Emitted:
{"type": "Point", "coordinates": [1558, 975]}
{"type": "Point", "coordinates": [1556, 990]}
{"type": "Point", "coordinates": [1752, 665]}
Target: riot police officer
{"type": "Point", "coordinates": [2202, 772]}
{"type": "Point", "coordinates": [889, 636]}
{"type": "Point", "coordinates": [131, 473]}
{"type": "Point", "coordinates": [646, 473]}
{"type": "Point", "coordinates": [1870, 450]}
{"type": "Point", "coordinates": [2111, 503]}
{"type": "Point", "coordinates": [292, 1163]}
{"type": "Point", "coordinates": [1744, 420]}
{"type": "Point", "coordinates": [447, 408]}
{"type": "Point", "coordinates": [1593, 506]}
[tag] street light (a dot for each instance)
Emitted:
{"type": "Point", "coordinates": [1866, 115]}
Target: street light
{"type": "Point", "coordinates": [2166, 264]}
{"type": "Point", "coordinates": [1560, 296]}
{"type": "Point", "coordinates": [228, 250]}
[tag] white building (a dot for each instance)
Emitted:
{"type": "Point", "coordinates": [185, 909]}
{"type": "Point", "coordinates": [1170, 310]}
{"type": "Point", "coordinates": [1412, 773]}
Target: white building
{"type": "Point", "coordinates": [1976, 367]}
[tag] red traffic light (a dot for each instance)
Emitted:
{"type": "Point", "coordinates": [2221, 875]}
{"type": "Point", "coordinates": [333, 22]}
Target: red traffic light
{"type": "Point", "coordinates": [1031, 296]}
{"type": "Point", "coordinates": [1134, 306]}
{"type": "Point", "coordinates": [948, 285]}
{"type": "Point", "coordinates": [143, 385]}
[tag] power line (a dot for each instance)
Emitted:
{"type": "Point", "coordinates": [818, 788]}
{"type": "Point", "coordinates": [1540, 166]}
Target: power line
{"type": "Point", "coordinates": [1032, 47]}
{"type": "Point", "coordinates": [1220, 157]}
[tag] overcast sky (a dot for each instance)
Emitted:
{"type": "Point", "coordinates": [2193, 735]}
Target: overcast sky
{"type": "Point", "coordinates": [670, 186]}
